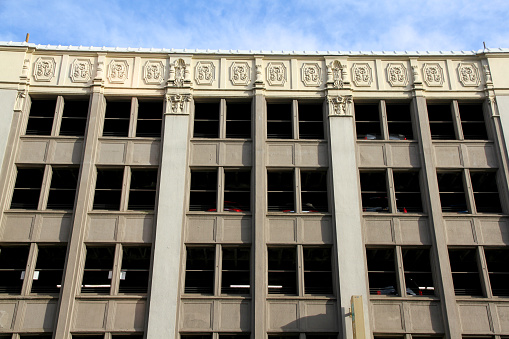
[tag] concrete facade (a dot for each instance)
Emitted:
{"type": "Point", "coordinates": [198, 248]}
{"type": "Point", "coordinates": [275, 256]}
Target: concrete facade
{"type": "Point", "coordinates": [223, 194]}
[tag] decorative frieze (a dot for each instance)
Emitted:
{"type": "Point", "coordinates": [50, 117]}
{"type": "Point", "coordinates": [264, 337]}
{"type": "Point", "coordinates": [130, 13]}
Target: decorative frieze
{"type": "Point", "coordinates": [433, 74]}
{"type": "Point", "coordinates": [177, 103]}
{"type": "Point", "coordinates": [311, 74]}
{"type": "Point", "coordinates": [153, 72]}
{"type": "Point", "coordinates": [118, 71]}
{"type": "Point", "coordinates": [240, 73]}
{"type": "Point", "coordinates": [204, 73]}
{"type": "Point", "coordinates": [468, 74]}
{"type": "Point", "coordinates": [81, 70]}
{"type": "Point", "coordinates": [397, 74]}
{"type": "Point", "coordinates": [276, 73]}
{"type": "Point", "coordinates": [339, 105]}
{"type": "Point", "coordinates": [44, 69]}
{"type": "Point", "coordinates": [361, 75]}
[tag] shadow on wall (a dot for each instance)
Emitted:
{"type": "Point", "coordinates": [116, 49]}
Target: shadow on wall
{"type": "Point", "coordinates": [323, 322]}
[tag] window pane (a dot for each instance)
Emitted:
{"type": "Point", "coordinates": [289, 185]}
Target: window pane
{"type": "Point", "coordinates": [13, 261]}
{"type": "Point", "coordinates": [310, 121]}
{"type": "Point", "coordinates": [484, 185]}
{"type": "Point", "coordinates": [408, 192]}
{"type": "Point", "coordinates": [116, 119]}
{"type": "Point", "coordinates": [149, 119]}
{"type": "Point", "coordinates": [27, 188]}
{"type": "Point", "coordinates": [367, 121]}
{"type": "Point", "coordinates": [236, 270]}
{"type": "Point", "coordinates": [108, 188]}
{"type": "Point", "coordinates": [238, 120]}
{"type": "Point", "coordinates": [465, 273]}
{"type": "Point", "coordinates": [382, 271]}
{"type": "Point", "coordinates": [452, 195]}
{"type": "Point", "coordinates": [203, 193]}
{"type": "Point", "coordinates": [498, 270]}
{"type": "Point", "coordinates": [237, 190]}
{"type": "Point", "coordinates": [200, 263]}
{"type": "Point", "coordinates": [280, 193]}
{"type": "Point", "coordinates": [374, 192]}
{"type": "Point", "coordinates": [40, 120]}
{"type": "Point", "coordinates": [440, 122]}
{"type": "Point", "coordinates": [142, 193]}
{"type": "Point", "coordinates": [135, 269]}
{"type": "Point", "coordinates": [472, 122]}
{"type": "Point", "coordinates": [49, 269]}
{"type": "Point", "coordinates": [317, 270]}
{"type": "Point", "coordinates": [282, 264]}
{"type": "Point", "coordinates": [418, 278]}
{"type": "Point", "coordinates": [63, 188]}
{"type": "Point", "coordinates": [206, 120]}
{"type": "Point", "coordinates": [279, 121]}
{"type": "Point", "coordinates": [98, 270]}
{"type": "Point", "coordinates": [399, 121]}
{"type": "Point", "coordinates": [74, 117]}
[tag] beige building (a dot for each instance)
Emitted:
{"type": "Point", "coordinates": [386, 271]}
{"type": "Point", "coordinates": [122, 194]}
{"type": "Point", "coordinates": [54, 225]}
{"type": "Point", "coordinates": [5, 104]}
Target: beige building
{"type": "Point", "coordinates": [265, 195]}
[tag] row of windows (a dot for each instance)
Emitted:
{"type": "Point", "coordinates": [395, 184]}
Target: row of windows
{"type": "Point", "coordinates": [47, 335]}
{"type": "Point", "coordinates": [270, 336]}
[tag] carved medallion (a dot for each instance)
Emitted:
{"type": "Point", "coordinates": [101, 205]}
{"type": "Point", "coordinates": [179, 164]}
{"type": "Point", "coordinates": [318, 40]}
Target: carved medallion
{"type": "Point", "coordinates": [276, 73]}
{"type": "Point", "coordinates": [397, 74]}
{"type": "Point", "coordinates": [81, 70]}
{"type": "Point", "coordinates": [433, 74]}
{"type": "Point", "coordinates": [336, 70]}
{"type": "Point", "coordinates": [361, 75]}
{"type": "Point", "coordinates": [468, 74]}
{"type": "Point", "coordinates": [204, 73]}
{"type": "Point", "coordinates": [178, 103]}
{"type": "Point", "coordinates": [311, 74]}
{"type": "Point", "coordinates": [44, 69]}
{"type": "Point", "coordinates": [240, 73]}
{"type": "Point", "coordinates": [153, 72]}
{"type": "Point", "coordinates": [339, 105]}
{"type": "Point", "coordinates": [117, 71]}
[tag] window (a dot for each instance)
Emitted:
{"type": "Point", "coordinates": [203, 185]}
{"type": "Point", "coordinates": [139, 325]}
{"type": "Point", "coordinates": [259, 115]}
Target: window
{"type": "Point", "coordinates": [235, 270]}
{"type": "Point", "coordinates": [405, 197]}
{"type": "Point", "coordinates": [465, 272]}
{"type": "Point", "coordinates": [58, 116]}
{"type": "Point", "coordinates": [49, 269]}
{"type": "Point", "coordinates": [457, 121]}
{"type": "Point", "coordinates": [486, 198]}
{"type": "Point", "coordinates": [133, 118]}
{"type": "Point", "coordinates": [13, 261]}
{"type": "Point", "coordinates": [308, 118]}
{"type": "Point", "coordinates": [61, 193]}
{"type": "Point", "coordinates": [236, 190]}
{"type": "Point", "coordinates": [310, 196]}
{"type": "Point", "coordinates": [498, 271]}
{"type": "Point", "coordinates": [283, 272]}
{"type": "Point", "coordinates": [200, 263]}
{"type": "Point", "coordinates": [140, 187]}
{"type": "Point", "coordinates": [224, 119]}
{"type": "Point", "coordinates": [383, 275]}
{"type": "Point", "coordinates": [221, 336]}
{"type": "Point", "coordinates": [101, 270]}
{"type": "Point", "coordinates": [383, 120]}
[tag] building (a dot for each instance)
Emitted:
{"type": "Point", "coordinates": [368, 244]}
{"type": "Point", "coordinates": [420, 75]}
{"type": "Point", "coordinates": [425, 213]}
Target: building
{"type": "Point", "coordinates": [239, 194]}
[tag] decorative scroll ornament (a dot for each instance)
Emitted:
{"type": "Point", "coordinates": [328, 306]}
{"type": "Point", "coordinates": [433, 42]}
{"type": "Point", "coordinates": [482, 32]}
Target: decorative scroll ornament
{"type": "Point", "coordinates": [26, 67]}
{"type": "Point", "coordinates": [433, 74]}
{"type": "Point", "coordinates": [337, 74]}
{"type": "Point", "coordinates": [180, 73]}
{"type": "Point", "coordinates": [339, 105]}
{"type": "Point", "coordinates": [204, 73]}
{"type": "Point", "coordinates": [361, 75]}
{"type": "Point", "coordinates": [276, 73]}
{"type": "Point", "coordinates": [178, 103]}
{"type": "Point", "coordinates": [81, 70]}
{"type": "Point", "coordinates": [259, 69]}
{"type": "Point", "coordinates": [240, 73]}
{"type": "Point", "coordinates": [311, 74]}
{"type": "Point", "coordinates": [153, 72]}
{"type": "Point", "coordinates": [416, 75]}
{"type": "Point", "coordinates": [468, 74]}
{"type": "Point", "coordinates": [487, 74]}
{"type": "Point", "coordinates": [117, 71]}
{"type": "Point", "coordinates": [44, 69]}
{"type": "Point", "coordinates": [20, 100]}
{"type": "Point", "coordinates": [397, 74]}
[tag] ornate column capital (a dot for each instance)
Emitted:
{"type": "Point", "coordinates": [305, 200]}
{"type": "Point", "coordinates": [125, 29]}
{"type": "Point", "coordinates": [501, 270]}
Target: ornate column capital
{"type": "Point", "coordinates": [178, 104]}
{"type": "Point", "coordinates": [340, 105]}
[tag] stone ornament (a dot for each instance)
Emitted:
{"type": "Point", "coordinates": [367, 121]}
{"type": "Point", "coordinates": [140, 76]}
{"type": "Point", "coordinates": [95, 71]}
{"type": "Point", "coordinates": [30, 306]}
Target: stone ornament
{"type": "Point", "coordinates": [487, 74]}
{"type": "Point", "coordinates": [117, 71]}
{"type": "Point", "coordinates": [311, 74]}
{"type": "Point", "coordinates": [204, 73]}
{"type": "Point", "coordinates": [433, 74]}
{"type": "Point", "coordinates": [240, 73]}
{"type": "Point", "coordinates": [180, 73]}
{"type": "Point", "coordinates": [44, 69]}
{"type": "Point", "coordinates": [361, 75]}
{"type": "Point", "coordinates": [468, 74]}
{"type": "Point", "coordinates": [276, 73]}
{"type": "Point", "coordinates": [153, 72]}
{"type": "Point", "coordinates": [335, 74]}
{"type": "Point", "coordinates": [177, 103]}
{"type": "Point", "coordinates": [338, 105]}
{"type": "Point", "coordinates": [20, 100]}
{"type": "Point", "coordinates": [397, 74]}
{"type": "Point", "coordinates": [81, 70]}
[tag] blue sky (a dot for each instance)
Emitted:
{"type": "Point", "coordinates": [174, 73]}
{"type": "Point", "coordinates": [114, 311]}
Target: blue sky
{"type": "Point", "coordinates": [335, 25]}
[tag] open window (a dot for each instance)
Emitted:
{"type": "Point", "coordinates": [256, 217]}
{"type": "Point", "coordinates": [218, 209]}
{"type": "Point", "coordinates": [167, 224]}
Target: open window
{"type": "Point", "coordinates": [237, 190]}
{"type": "Point", "coordinates": [38, 336]}
{"type": "Point", "coordinates": [98, 269]}
{"type": "Point", "coordinates": [279, 121]}
{"type": "Point", "coordinates": [135, 269]}
{"type": "Point", "coordinates": [465, 272]}
{"type": "Point", "coordinates": [399, 122]}
{"type": "Point", "coordinates": [13, 262]}
{"type": "Point", "coordinates": [93, 336]}
{"type": "Point", "coordinates": [74, 117]}
{"type": "Point", "coordinates": [206, 120]}
{"type": "Point", "coordinates": [441, 122]}
{"type": "Point", "coordinates": [236, 270]}
{"type": "Point", "coordinates": [49, 269]}
{"type": "Point", "coordinates": [196, 336]}
{"type": "Point", "coordinates": [452, 194]}
{"type": "Point", "coordinates": [496, 260]}
{"type": "Point", "coordinates": [116, 119]}
{"type": "Point", "coordinates": [418, 277]}
{"type": "Point", "coordinates": [317, 270]}
{"type": "Point", "coordinates": [108, 188]}
{"type": "Point", "coordinates": [382, 271]}
{"type": "Point", "coordinates": [282, 270]}
{"type": "Point", "coordinates": [200, 264]}
{"type": "Point", "coordinates": [367, 121]}
{"type": "Point", "coordinates": [142, 191]}
{"type": "Point", "coordinates": [407, 190]}
{"type": "Point", "coordinates": [374, 192]}
{"type": "Point", "coordinates": [238, 120]}
{"type": "Point", "coordinates": [27, 188]}
{"type": "Point", "coordinates": [280, 195]}
{"type": "Point", "coordinates": [127, 336]}
{"type": "Point", "coordinates": [40, 119]}
{"type": "Point", "coordinates": [310, 121]}
{"type": "Point", "coordinates": [472, 121]}
{"type": "Point", "coordinates": [149, 119]}
{"type": "Point", "coordinates": [484, 185]}
{"type": "Point", "coordinates": [314, 191]}
{"type": "Point", "coordinates": [203, 195]}
{"type": "Point", "coordinates": [62, 190]}
{"type": "Point", "coordinates": [235, 336]}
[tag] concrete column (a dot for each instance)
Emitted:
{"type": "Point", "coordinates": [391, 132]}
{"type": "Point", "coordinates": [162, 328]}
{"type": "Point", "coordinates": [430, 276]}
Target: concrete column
{"type": "Point", "coordinates": [347, 212]}
{"type": "Point", "coordinates": [167, 246]}
{"type": "Point", "coordinates": [8, 98]}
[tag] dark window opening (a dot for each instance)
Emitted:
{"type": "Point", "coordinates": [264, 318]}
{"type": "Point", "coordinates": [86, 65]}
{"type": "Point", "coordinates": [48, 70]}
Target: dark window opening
{"type": "Point", "coordinates": [237, 191]}
{"type": "Point", "coordinates": [418, 278]}
{"type": "Point", "coordinates": [238, 120]}
{"type": "Point", "coordinates": [149, 119]}
{"type": "Point", "coordinates": [465, 272]}
{"type": "Point", "coordinates": [116, 120]}
{"type": "Point", "coordinates": [310, 121]}
{"type": "Point", "coordinates": [440, 122]}
{"type": "Point", "coordinates": [317, 270]}
{"type": "Point", "coordinates": [374, 192]}
{"type": "Point", "coordinates": [62, 191]}
{"type": "Point", "coordinates": [13, 261]}
{"type": "Point", "coordinates": [279, 121]}
{"type": "Point", "coordinates": [49, 269]}
{"type": "Point", "coordinates": [39, 336]}
{"type": "Point", "coordinates": [472, 122]}
{"type": "Point", "coordinates": [135, 269]}
{"type": "Point", "coordinates": [40, 119]}
{"type": "Point", "coordinates": [314, 191]}
{"type": "Point", "coordinates": [280, 195]}
{"type": "Point", "coordinates": [484, 185]}
{"type": "Point", "coordinates": [108, 189]}
{"type": "Point", "coordinates": [367, 121]}
{"type": "Point", "coordinates": [142, 193]}
{"type": "Point", "coordinates": [200, 263]}
{"type": "Point", "coordinates": [496, 260]}
{"type": "Point", "coordinates": [399, 122]}
{"type": "Point", "coordinates": [408, 192]}
{"type": "Point", "coordinates": [234, 336]}
{"type": "Point", "coordinates": [282, 274]}
{"type": "Point", "coordinates": [284, 336]}
{"type": "Point", "coordinates": [206, 120]}
{"type": "Point", "coordinates": [203, 195]}
{"type": "Point", "coordinates": [382, 271]}
{"type": "Point", "coordinates": [74, 118]}
{"type": "Point", "coordinates": [127, 336]}
{"type": "Point", "coordinates": [98, 270]}
{"type": "Point", "coordinates": [452, 195]}
{"type": "Point", "coordinates": [321, 336]}
{"type": "Point", "coordinates": [27, 188]}
{"type": "Point", "coordinates": [196, 336]}
{"type": "Point", "coordinates": [93, 336]}
{"type": "Point", "coordinates": [236, 270]}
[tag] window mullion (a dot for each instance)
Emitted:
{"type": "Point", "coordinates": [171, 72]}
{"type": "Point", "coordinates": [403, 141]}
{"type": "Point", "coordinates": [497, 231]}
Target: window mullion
{"type": "Point", "coordinates": [383, 119]}
{"type": "Point", "coordinates": [298, 191]}
{"type": "Point", "coordinates": [300, 270]}
{"type": "Point", "coordinates": [30, 269]}
{"type": "Point", "coordinates": [220, 190]}
{"type": "Point", "coordinates": [57, 119]}
{"type": "Point", "coordinates": [133, 117]}
{"type": "Point", "coordinates": [295, 119]}
{"type": "Point", "coordinates": [483, 269]}
{"type": "Point", "coordinates": [116, 270]}
{"type": "Point", "coordinates": [469, 191]}
{"type": "Point", "coordinates": [46, 183]}
{"type": "Point", "coordinates": [456, 120]}
{"type": "Point", "coordinates": [391, 195]}
{"type": "Point", "coordinates": [126, 184]}
{"type": "Point", "coordinates": [222, 118]}
{"type": "Point", "coordinates": [400, 272]}
{"type": "Point", "coordinates": [218, 270]}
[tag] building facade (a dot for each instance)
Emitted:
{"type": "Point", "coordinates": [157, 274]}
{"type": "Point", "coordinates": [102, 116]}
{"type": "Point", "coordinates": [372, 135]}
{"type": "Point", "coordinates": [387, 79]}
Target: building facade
{"type": "Point", "coordinates": [239, 194]}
